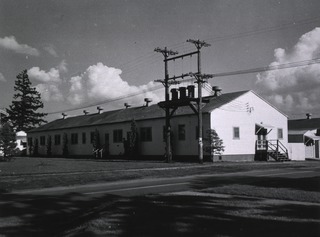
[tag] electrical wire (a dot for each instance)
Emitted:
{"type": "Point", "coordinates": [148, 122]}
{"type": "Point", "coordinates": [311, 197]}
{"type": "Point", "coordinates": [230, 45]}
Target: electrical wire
{"type": "Point", "coordinates": [239, 72]}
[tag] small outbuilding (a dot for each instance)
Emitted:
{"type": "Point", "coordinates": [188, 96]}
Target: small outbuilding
{"type": "Point", "coordinates": [303, 138]}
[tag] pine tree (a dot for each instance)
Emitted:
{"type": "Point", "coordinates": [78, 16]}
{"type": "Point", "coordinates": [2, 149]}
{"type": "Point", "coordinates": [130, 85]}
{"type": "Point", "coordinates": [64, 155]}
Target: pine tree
{"type": "Point", "coordinates": [7, 140]}
{"type": "Point", "coordinates": [26, 101]}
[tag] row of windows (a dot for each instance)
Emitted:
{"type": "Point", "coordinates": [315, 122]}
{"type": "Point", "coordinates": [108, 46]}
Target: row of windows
{"type": "Point", "coordinates": [236, 133]}
{"type": "Point", "coordinates": [145, 135]}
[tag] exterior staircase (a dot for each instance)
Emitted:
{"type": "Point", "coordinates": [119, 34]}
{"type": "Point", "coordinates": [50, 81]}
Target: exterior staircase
{"type": "Point", "coordinates": [277, 151]}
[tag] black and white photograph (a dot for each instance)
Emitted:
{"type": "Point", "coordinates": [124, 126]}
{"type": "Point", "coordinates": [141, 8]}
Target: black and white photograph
{"type": "Point", "coordinates": [159, 118]}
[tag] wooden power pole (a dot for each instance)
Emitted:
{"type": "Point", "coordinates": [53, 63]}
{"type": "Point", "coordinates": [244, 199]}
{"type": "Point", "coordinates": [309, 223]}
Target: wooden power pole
{"type": "Point", "coordinates": [166, 53]}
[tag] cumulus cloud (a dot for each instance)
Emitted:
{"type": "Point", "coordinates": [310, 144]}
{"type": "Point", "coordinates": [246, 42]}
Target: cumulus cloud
{"type": "Point", "coordinates": [49, 92]}
{"type": "Point", "coordinates": [100, 82]}
{"type": "Point", "coordinates": [53, 75]}
{"type": "Point", "coordinates": [294, 90]}
{"type": "Point", "coordinates": [2, 78]}
{"type": "Point", "coordinates": [49, 81]}
{"type": "Point", "coordinates": [10, 43]}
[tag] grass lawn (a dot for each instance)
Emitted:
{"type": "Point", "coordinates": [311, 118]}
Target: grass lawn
{"type": "Point", "coordinates": [33, 173]}
{"type": "Point", "coordinates": [228, 205]}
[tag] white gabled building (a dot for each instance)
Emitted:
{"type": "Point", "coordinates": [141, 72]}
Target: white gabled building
{"type": "Point", "coordinates": [248, 125]}
{"type": "Point", "coordinates": [304, 136]}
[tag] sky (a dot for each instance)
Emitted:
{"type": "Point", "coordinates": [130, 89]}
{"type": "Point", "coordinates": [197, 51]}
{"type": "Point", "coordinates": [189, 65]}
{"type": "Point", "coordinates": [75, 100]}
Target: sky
{"type": "Point", "coordinates": [88, 52]}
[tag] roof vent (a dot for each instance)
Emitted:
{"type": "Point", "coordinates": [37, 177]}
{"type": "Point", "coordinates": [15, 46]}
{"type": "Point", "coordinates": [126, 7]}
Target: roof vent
{"type": "Point", "coordinates": [99, 109]}
{"type": "Point", "coordinates": [174, 93]}
{"type": "Point", "coordinates": [308, 115]}
{"type": "Point", "coordinates": [127, 105]}
{"type": "Point", "coordinates": [85, 112]}
{"type": "Point", "coordinates": [217, 90]}
{"type": "Point", "coordinates": [64, 115]}
{"type": "Point", "coordinates": [147, 100]}
{"type": "Point", "coordinates": [190, 89]}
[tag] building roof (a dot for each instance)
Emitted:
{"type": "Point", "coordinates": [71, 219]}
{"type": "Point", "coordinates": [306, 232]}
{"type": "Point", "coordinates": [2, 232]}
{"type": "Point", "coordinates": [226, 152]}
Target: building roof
{"type": "Point", "coordinates": [136, 113]}
{"type": "Point", "coordinates": [304, 124]}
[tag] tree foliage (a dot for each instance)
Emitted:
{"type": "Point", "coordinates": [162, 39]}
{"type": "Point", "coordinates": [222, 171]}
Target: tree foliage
{"type": "Point", "coordinates": [213, 143]}
{"type": "Point", "coordinates": [65, 149]}
{"type": "Point", "coordinates": [26, 101]}
{"type": "Point", "coordinates": [133, 140]}
{"type": "Point", "coordinates": [7, 140]}
{"type": "Point", "coordinates": [49, 146]}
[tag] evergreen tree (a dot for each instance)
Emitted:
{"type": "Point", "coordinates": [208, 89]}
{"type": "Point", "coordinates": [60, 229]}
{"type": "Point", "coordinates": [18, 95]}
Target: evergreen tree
{"type": "Point", "coordinates": [133, 143]}
{"type": "Point", "coordinates": [49, 146]}
{"type": "Point", "coordinates": [26, 101]}
{"type": "Point", "coordinates": [65, 149]}
{"type": "Point", "coordinates": [7, 140]}
{"type": "Point", "coordinates": [213, 143]}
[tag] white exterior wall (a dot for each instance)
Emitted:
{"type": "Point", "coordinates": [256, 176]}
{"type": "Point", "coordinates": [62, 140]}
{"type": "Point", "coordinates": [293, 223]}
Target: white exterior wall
{"type": "Point", "coordinates": [234, 114]}
{"type": "Point", "coordinates": [296, 151]}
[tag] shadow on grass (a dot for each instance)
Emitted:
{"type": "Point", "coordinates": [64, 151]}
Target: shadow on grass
{"type": "Point", "coordinates": [39, 215]}
{"type": "Point", "coordinates": [201, 216]}
{"type": "Point", "coordinates": [170, 215]}
{"type": "Point", "coordinates": [303, 184]}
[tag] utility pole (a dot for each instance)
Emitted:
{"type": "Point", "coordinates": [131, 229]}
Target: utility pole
{"type": "Point", "coordinates": [199, 44]}
{"type": "Point", "coordinates": [166, 53]}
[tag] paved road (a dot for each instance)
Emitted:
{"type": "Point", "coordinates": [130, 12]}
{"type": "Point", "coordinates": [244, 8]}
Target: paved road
{"type": "Point", "coordinates": [165, 185]}
{"type": "Point", "coordinates": [39, 212]}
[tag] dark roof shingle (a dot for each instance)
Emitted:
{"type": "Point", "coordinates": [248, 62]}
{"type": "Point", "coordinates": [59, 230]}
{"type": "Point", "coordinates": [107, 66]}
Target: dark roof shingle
{"type": "Point", "coordinates": [136, 113]}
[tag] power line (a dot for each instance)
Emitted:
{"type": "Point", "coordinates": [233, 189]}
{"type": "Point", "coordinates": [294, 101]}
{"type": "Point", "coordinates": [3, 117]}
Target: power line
{"type": "Point", "coordinates": [157, 87]}
{"type": "Point", "coordinates": [136, 63]}
{"type": "Point", "coordinates": [232, 73]}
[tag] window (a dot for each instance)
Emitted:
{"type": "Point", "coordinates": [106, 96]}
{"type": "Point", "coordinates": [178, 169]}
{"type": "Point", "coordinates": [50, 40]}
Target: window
{"type": "Point", "coordinates": [74, 138]}
{"type": "Point", "coordinates": [146, 134]}
{"type": "Point", "coordinates": [181, 132]}
{"type": "Point", "coordinates": [84, 138]}
{"type": "Point", "coordinates": [30, 141]}
{"type": "Point", "coordinates": [91, 137]}
{"type": "Point", "coordinates": [236, 133]}
{"type": "Point", "coordinates": [42, 140]}
{"type": "Point", "coordinates": [117, 135]}
{"type": "Point", "coordinates": [106, 138]}
{"type": "Point", "coordinates": [57, 139]}
{"type": "Point", "coordinates": [280, 133]}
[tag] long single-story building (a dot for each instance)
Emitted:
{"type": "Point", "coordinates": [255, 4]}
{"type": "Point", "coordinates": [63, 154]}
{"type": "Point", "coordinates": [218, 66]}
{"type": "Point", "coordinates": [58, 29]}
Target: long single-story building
{"type": "Point", "coordinates": [248, 125]}
{"type": "Point", "coordinates": [304, 136]}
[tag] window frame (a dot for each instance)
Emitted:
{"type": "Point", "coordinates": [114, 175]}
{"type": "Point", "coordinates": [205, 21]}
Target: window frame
{"type": "Point", "coordinates": [236, 133]}
{"type": "Point", "coordinates": [181, 132]}
{"type": "Point", "coordinates": [146, 134]}
{"type": "Point", "coordinates": [74, 138]}
{"type": "Point", "coordinates": [42, 140]}
{"type": "Point", "coordinates": [117, 136]}
{"type": "Point", "coordinates": [278, 133]}
{"type": "Point", "coordinates": [57, 139]}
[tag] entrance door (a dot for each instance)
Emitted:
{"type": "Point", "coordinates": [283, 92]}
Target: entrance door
{"type": "Point", "coordinates": [262, 139]}
{"type": "Point", "coordinates": [317, 148]}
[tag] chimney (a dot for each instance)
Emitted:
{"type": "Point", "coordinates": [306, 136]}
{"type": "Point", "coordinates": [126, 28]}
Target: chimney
{"type": "Point", "coordinates": [190, 89]}
{"type": "Point", "coordinates": [85, 112]}
{"type": "Point", "coordinates": [99, 109]}
{"type": "Point", "coordinates": [183, 92]}
{"type": "Point", "coordinates": [64, 115]}
{"type": "Point", "coordinates": [147, 100]}
{"type": "Point", "coordinates": [216, 90]}
{"type": "Point", "coordinates": [174, 94]}
{"type": "Point", "coordinates": [308, 115]}
{"type": "Point", "coordinates": [127, 105]}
